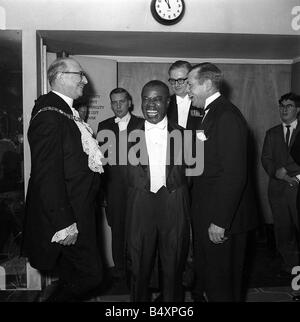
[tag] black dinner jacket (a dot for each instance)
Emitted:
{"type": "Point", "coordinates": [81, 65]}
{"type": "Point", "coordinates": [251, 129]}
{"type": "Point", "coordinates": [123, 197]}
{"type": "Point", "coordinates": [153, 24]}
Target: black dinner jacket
{"type": "Point", "coordinates": [61, 187]}
{"type": "Point", "coordinates": [138, 176]}
{"type": "Point", "coordinates": [225, 190]}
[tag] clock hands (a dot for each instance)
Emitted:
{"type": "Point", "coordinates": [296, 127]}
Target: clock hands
{"type": "Point", "coordinates": [167, 2]}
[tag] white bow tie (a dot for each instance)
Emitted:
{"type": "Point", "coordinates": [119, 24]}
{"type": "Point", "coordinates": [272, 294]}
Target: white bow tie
{"type": "Point", "coordinates": [155, 126]}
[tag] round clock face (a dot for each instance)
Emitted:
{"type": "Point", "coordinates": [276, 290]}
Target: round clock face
{"type": "Point", "coordinates": [167, 12]}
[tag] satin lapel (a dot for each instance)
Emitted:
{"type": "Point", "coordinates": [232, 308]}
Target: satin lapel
{"type": "Point", "coordinates": [171, 157]}
{"type": "Point", "coordinates": [170, 153]}
{"type": "Point", "coordinates": [173, 115]}
{"type": "Point", "coordinates": [208, 120]}
{"type": "Point", "coordinates": [145, 167]}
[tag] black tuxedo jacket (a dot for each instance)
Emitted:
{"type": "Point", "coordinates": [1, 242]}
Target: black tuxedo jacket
{"type": "Point", "coordinates": [61, 188]}
{"type": "Point", "coordinates": [113, 185]}
{"type": "Point", "coordinates": [193, 117]}
{"type": "Point", "coordinates": [276, 154]}
{"type": "Point", "coordinates": [138, 177]}
{"type": "Point", "coordinates": [223, 194]}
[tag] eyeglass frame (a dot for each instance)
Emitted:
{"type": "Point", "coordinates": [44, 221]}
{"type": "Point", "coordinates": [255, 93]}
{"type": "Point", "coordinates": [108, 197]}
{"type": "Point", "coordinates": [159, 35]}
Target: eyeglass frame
{"type": "Point", "coordinates": [81, 74]}
{"type": "Point", "coordinates": [179, 81]}
{"type": "Point", "coordinates": [288, 106]}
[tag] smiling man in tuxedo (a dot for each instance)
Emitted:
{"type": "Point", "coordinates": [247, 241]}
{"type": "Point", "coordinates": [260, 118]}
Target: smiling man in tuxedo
{"type": "Point", "coordinates": [158, 202]}
{"type": "Point", "coordinates": [222, 204]}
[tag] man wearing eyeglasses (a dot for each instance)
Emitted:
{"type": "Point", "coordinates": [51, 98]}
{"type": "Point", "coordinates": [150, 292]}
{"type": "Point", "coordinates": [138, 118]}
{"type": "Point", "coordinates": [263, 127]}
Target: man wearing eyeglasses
{"type": "Point", "coordinates": [284, 175]}
{"type": "Point", "coordinates": [59, 230]}
{"type": "Point", "coordinates": [180, 110]}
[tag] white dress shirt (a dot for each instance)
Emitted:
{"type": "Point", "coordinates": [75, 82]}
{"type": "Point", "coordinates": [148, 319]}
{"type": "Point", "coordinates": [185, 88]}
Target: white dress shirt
{"type": "Point", "coordinates": [123, 121]}
{"type": "Point", "coordinates": [156, 140]}
{"type": "Point", "coordinates": [183, 107]}
{"type": "Point", "coordinates": [72, 229]}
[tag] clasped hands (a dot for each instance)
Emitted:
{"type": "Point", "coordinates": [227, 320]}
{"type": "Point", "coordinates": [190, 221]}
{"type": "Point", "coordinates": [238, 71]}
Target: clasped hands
{"type": "Point", "coordinates": [281, 174]}
{"type": "Point", "coordinates": [216, 234]}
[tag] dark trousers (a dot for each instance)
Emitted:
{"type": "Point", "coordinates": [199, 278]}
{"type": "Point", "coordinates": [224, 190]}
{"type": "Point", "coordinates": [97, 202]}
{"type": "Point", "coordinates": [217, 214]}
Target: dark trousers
{"type": "Point", "coordinates": [218, 267]}
{"type": "Point", "coordinates": [155, 230]}
{"type": "Point", "coordinates": [286, 225]}
{"type": "Point", "coordinates": [115, 214]}
{"type": "Point", "coordinates": [79, 269]}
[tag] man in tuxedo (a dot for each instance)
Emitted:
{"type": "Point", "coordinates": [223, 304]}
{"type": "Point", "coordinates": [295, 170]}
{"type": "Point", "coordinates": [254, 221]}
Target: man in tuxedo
{"type": "Point", "coordinates": [222, 204]}
{"type": "Point", "coordinates": [180, 110]}
{"type": "Point", "coordinates": [115, 190]}
{"type": "Point", "coordinates": [59, 229]}
{"type": "Point", "coordinates": [284, 175]}
{"type": "Point", "coordinates": [158, 201]}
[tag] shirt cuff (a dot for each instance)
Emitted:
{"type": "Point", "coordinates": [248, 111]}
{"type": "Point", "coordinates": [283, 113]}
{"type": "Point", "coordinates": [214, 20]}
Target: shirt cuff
{"type": "Point", "coordinates": [62, 234]}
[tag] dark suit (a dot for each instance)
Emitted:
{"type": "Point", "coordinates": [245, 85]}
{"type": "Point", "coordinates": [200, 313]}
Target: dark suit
{"type": "Point", "coordinates": [61, 191]}
{"type": "Point", "coordinates": [157, 222]}
{"type": "Point", "coordinates": [193, 116]}
{"type": "Point", "coordinates": [222, 195]}
{"type": "Point", "coordinates": [116, 192]}
{"type": "Point", "coordinates": [282, 197]}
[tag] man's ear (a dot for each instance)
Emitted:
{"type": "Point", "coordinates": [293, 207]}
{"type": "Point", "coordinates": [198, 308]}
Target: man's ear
{"type": "Point", "coordinates": [208, 85]}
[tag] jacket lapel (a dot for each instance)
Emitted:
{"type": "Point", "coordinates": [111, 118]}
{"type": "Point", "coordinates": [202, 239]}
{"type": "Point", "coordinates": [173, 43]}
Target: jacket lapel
{"type": "Point", "coordinates": [294, 133]}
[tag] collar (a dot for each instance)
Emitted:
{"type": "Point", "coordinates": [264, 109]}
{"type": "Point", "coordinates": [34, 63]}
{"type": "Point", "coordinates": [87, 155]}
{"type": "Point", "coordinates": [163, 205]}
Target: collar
{"type": "Point", "coordinates": [125, 118]}
{"type": "Point", "coordinates": [293, 124]}
{"type": "Point", "coordinates": [160, 125]}
{"type": "Point", "coordinates": [67, 99]}
{"type": "Point", "coordinates": [181, 100]}
{"type": "Point", "coordinates": [211, 98]}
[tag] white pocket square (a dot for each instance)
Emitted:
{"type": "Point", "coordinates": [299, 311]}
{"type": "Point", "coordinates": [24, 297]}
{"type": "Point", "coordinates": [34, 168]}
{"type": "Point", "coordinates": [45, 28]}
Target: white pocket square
{"type": "Point", "coordinates": [201, 136]}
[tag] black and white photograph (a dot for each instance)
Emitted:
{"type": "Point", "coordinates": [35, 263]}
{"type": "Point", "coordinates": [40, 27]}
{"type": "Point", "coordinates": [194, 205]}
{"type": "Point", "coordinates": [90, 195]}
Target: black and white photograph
{"type": "Point", "coordinates": [150, 153]}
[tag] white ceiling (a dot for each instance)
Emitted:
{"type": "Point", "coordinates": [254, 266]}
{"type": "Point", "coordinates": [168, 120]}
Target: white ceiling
{"type": "Point", "coordinates": [173, 44]}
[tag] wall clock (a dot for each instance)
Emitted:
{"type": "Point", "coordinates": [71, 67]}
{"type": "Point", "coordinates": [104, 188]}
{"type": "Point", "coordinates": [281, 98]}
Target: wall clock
{"type": "Point", "coordinates": [167, 12]}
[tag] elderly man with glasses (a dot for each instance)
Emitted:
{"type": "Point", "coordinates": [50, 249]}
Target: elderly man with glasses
{"type": "Point", "coordinates": [180, 110]}
{"type": "Point", "coordinates": [284, 175]}
{"type": "Point", "coordinates": [59, 230]}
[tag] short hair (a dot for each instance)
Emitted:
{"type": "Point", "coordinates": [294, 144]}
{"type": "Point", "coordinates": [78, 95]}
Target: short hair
{"type": "Point", "coordinates": [208, 71]}
{"type": "Point", "coordinates": [59, 65]}
{"type": "Point", "coordinates": [180, 64]}
{"type": "Point", "coordinates": [156, 82]}
{"type": "Point", "coordinates": [292, 97]}
{"type": "Point", "coordinates": [120, 90]}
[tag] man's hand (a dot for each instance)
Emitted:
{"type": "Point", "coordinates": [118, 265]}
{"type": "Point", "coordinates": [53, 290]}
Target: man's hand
{"type": "Point", "coordinates": [69, 240]}
{"type": "Point", "coordinates": [216, 234]}
{"type": "Point", "coordinates": [280, 173]}
{"type": "Point", "coordinates": [292, 181]}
